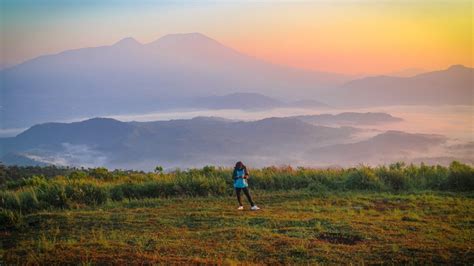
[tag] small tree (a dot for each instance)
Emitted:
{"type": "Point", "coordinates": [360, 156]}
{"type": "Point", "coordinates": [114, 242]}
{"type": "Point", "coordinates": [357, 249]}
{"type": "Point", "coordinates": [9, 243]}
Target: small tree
{"type": "Point", "coordinates": [159, 169]}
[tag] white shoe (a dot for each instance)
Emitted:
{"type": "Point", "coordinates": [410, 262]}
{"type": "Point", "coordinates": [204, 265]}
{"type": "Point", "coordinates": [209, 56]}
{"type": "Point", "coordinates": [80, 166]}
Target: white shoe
{"type": "Point", "coordinates": [240, 208]}
{"type": "Point", "coordinates": [255, 208]}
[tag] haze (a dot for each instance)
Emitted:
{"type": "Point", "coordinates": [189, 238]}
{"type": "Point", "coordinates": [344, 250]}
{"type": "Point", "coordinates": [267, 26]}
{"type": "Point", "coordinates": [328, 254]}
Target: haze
{"type": "Point", "coordinates": [381, 36]}
{"type": "Point", "coordinates": [187, 84]}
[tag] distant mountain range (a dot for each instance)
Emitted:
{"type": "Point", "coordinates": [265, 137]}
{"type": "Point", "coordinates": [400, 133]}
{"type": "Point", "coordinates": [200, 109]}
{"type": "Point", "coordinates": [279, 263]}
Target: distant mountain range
{"type": "Point", "coordinates": [247, 101]}
{"type": "Point", "coordinates": [129, 77]}
{"type": "Point", "coordinates": [171, 143]}
{"type": "Point", "coordinates": [193, 70]}
{"type": "Point", "coordinates": [385, 147]}
{"type": "Point", "coordinates": [349, 119]}
{"type": "Point", "coordinates": [206, 140]}
{"type": "Point", "coordinates": [454, 85]}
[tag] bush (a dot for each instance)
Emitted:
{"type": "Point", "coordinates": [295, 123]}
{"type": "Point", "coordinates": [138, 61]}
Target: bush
{"type": "Point", "coordinates": [10, 219]}
{"type": "Point", "coordinates": [287, 181]}
{"type": "Point", "coordinates": [101, 173]}
{"type": "Point", "coordinates": [28, 200]}
{"type": "Point", "coordinates": [53, 195]}
{"type": "Point", "coordinates": [261, 181]}
{"type": "Point", "coordinates": [129, 190]}
{"type": "Point", "coordinates": [86, 193]}
{"type": "Point", "coordinates": [149, 189]}
{"type": "Point", "coordinates": [209, 170]}
{"type": "Point", "coordinates": [395, 179]}
{"type": "Point", "coordinates": [9, 200]}
{"type": "Point", "coordinates": [435, 176]}
{"type": "Point", "coordinates": [76, 175]}
{"type": "Point", "coordinates": [317, 188]}
{"type": "Point", "coordinates": [363, 178]}
{"type": "Point", "coordinates": [116, 193]}
{"type": "Point", "coordinates": [460, 177]}
{"type": "Point", "coordinates": [197, 185]}
{"type": "Point", "coordinates": [36, 180]}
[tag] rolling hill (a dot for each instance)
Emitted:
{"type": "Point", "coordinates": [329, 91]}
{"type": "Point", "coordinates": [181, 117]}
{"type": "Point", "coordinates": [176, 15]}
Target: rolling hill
{"type": "Point", "coordinates": [201, 141]}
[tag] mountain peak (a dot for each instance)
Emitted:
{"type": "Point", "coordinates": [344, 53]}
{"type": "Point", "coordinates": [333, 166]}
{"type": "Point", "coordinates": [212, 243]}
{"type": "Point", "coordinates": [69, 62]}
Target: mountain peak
{"type": "Point", "coordinates": [457, 67]}
{"type": "Point", "coordinates": [128, 41]}
{"type": "Point", "coordinates": [190, 35]}
{"type": "Point", "coordinates": [185, 38]}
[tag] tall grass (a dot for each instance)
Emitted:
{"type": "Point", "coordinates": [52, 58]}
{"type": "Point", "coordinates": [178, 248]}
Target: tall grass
{"type": "Point", "coordinates": [84, 187]}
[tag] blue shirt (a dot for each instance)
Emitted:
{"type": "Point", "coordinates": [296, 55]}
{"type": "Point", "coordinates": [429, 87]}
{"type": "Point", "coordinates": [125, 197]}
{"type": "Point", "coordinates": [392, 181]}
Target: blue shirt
{"type": "Point", "coordinates": [239, 181]}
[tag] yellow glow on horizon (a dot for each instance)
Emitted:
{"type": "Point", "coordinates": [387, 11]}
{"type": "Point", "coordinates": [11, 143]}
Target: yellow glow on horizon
{"type": "Point", "coordinates": [363, 38]}
{"type": "Point", "coordinates": [351, 37]}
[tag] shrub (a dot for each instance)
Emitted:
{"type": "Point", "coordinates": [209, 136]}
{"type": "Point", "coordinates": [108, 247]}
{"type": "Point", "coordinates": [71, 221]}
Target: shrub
{"type": "Point", "coordinates": [159, 169]}
{"type": "Point", "coordinates": [10, 219]}
{"type": "Point", "coordinates": [217, 186]}
{"type": "Point", "coordinates": [116, 193]}
{"type": "Point", "coordinates": [149, 189]}
{"type": "Point", "coordinates": [287, 181]}
{"type": "Point", "coordinates": [363, 178]}
{"type": "Point", "coordinates": [435, 176]}
{"type": "Point", "coordinates": [129, 190]}
{"type": "Point", "coordinates": [209, 170]}
{"type": "Point", "coordinates": [101, 173]}
{"type": "Point", "coordinates": [394, 179]}
{"type": "Point", "coordinates": [28, 200]}
{"type": "Point", "coordinates": [197, 185]}
{"type": "Point", "coordinates": [86, 193]}
{"type": "Point", "coordinates": [460, 177]}
{"type": "Point", "coordinates": [155, 189]}
{"type": "Point", "coordinates": [9, 200]}
{"type": "Point", "coordinates": [261, 181]}
{"type": "Point", "coordinates": [76, 175]}
{"type": "Point", "coordinates": [36, 180]}
{"type": "Point", "coordinates": [317, 187]}
{"type": "Point", "coordinates": [53, 195]}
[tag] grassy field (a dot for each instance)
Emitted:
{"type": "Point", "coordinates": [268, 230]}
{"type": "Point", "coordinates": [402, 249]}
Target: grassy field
{"type": "Point", "coordinates": [389, 214]}
{"type": "Point", "coordinates": [293, 227]}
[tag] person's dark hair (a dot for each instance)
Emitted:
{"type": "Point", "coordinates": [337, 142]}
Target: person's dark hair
{"type": "Point", "coordinates": [239, 165]}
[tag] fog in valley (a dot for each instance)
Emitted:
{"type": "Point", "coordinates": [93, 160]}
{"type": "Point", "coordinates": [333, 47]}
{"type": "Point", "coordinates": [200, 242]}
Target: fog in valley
{"type": "Point", "coordinates": [430, 134]}
{"type": "Point", "coordinates": [187, 100]}
{"type": "Point", "coordinates": [453, 121]}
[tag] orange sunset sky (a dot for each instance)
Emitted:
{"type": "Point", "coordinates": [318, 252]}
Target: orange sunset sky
{"type": "Point", "coordinates": [352, 37]}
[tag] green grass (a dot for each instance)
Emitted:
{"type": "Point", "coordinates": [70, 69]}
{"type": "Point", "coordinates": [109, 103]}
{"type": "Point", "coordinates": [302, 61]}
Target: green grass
{"type": "Point", "coordinates": [25, 193]}
{"type": "Point", "coordinates": [406, 214]}
{"type": "Point", "coordinates": [297, 226]}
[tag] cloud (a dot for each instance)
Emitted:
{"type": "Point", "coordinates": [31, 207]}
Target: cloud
{"type": "Point", "coordinates": [70, 155]}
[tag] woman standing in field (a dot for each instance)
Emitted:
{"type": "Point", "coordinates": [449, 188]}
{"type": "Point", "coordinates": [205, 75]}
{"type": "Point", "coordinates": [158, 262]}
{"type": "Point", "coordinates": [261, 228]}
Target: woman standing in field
{"type": "Point", "coordinates": [240, 177]}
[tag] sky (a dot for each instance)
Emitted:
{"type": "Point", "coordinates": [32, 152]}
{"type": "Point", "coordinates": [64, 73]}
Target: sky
{"type": "Point", "coordinates": [350, 37]}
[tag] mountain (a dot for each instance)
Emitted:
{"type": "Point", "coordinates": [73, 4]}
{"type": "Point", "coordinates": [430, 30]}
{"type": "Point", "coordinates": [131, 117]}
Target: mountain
{"type": "Point", "coordinates": [307, 103]}
{"type": "Point", "coordinates": [174, 143]}
{"type": "Point", "coordinates": [409, 72]}
{"type": "Point", "coordinates": [130, 77]}
{"type": "Point", "coordinates": [22, 160]}
{"type": "Point", "coordinates": [349, 119]}
{"type": "Point", "coordinates": [209, 140]}
{"type": "Point", "coordinates": [454, 85]}
{"type": "Point", "coordinates": [243, 101]}
{"type": "Point", "coordinates": [385, 147]}
{"type": "Point", "coordinates": [247, 101]}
